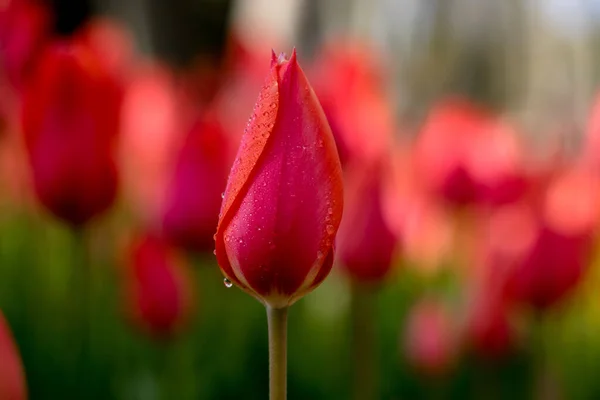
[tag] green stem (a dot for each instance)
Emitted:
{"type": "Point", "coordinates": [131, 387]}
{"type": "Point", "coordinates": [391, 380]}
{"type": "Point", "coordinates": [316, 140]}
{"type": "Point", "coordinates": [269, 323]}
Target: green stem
{"type": "Point", "coordinates": [81, 302]}
{"type": "Point", "coordinates": [362, 309]}
{"type": "Point", "coordinates": [277, 320]}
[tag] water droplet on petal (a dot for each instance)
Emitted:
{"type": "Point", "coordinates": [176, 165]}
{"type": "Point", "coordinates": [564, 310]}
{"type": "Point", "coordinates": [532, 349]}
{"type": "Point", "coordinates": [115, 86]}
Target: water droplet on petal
{"type": "Point", "coordinates": [215, 252]}
{"type": "Point", "coordinates": [223, 195]}
{"type": "Point", "coordinates": [330, 211]}
{"type": "Point", "coordinates": [273, 105]}
{"type": "Point", "coordinates": [227, 283]}
{"type": "Point", "coordinates": [241, 241]}
{"type": "Point", "coordinates": [330, 229]}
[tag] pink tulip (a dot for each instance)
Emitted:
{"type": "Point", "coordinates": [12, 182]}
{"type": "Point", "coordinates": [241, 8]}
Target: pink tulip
{"type": "Point", "coordinates": [349, 83]}
{"type": "Point", "coordinates": [366, 244]}
{"type": "Point", "coordinates": [466, 155]}
{"type": "Point", "coordinates": [283, 202]}
{"type": "Point", "coordinates": [193, 196]}
{"type": "Point", "coordinates": [429, 340]}
{"type": "Point", "coordinates": [157, 289]}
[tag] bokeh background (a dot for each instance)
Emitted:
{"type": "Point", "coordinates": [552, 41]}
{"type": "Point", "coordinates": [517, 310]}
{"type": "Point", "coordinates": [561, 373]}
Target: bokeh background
{"type": "Point", "coordinates": [481, 113]}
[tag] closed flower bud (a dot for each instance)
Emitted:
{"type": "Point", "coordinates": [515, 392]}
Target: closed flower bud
{"type": "Point", "coordinates": [193, 196]}
{"type": "Point", "coordinates": [157, 287]}
{"type": "Point", "coordinates": [283, 202]}
{"type": "Point", "coordinates": [12, 377]}
{"type": "Point", "coordinates": [365, 242]}
{"type": "Point", "coordinates": [429, 341]}
{"type": "Point", "coordinates": [70, 120]}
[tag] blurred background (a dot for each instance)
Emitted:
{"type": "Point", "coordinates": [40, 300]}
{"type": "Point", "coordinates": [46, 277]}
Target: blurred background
{"type": "Point", "coordinates": [478, 119]}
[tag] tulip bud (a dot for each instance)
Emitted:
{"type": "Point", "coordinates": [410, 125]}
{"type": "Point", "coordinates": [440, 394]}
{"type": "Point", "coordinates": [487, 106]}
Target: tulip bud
{"type": "Point", "coordinates": [365, 242]}
{"type": "Point", "coordinates": [559, 252]}
{"type": "Point", "coordinates": [283, 202]}
{"type": "Point", "coordinates": [193, 198]}
{"type": "Point", "coordinates": [12, 377]}
{"type": "Point", "coordinates": [429, 340]}
{"type": "Point", "coordinates": [157, 287]}
{"type": "Point", "coordinates": [70, 119]}
{"type": "Point", "coordinates": [349, 82]}
{"type": "Point", "coordinates": [489, 330]}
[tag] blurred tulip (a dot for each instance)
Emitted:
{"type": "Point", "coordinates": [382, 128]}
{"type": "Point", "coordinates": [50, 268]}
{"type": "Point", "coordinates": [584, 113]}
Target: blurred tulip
{"type": "Point", "coordinates": [561, 250]}
{"type": "Point", "coordinates": [157, 287]}
{"type": "Point", "coordinates": [70, 122]}
{"type": "Point", "coordinates": [544, 248]}
{"type": "Point", "coordinates": [153, 127]}
{"type": "Point", "coordinates": [365, 242]}
{"type": "Point", "coordinates": [24, 28]}
{"type": "Point", "coordinates": [489, 329]}
{"type": "Point", "coordinates": [193, 196]}
{"type": "Point", "coordinates": [429, 340]}
{"type": "Point", "coordinates": [12, 377]}
{"type": "Point", "coordinates": [349, 84]}
{"type": "Point", "coordinates": [467, 155]}
{"type": "Point", "coordinates": [283, 202]}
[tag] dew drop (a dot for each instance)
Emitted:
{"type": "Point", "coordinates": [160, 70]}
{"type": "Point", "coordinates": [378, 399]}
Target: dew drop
{"type": "Point", "coordinates": [330, 211]}
{"type": "Point", "coordinates": [273, 105]}
{"type": "Point", "coordinates": [227, 283]}
{"type": "Point", "coordinates": [271, 125]}
{"type": "Point", "coordinates": [215, 252]}
{"type": "Point", "coordinates": [319, 254]}
{"type": "Point", "coordinates": [223, 195]}
{"type": "Point", "coordinates": [241, 241]}
{"type": "Point", "coordinates": [320, 143]}
{"type": "Point", "coordinates": [330, 229]}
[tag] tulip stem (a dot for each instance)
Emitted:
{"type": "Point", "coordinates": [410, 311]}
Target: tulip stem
{"type": "Point", "coordinates": [362, 310]}
{"type": "Point", "coordinates": [80, 286]}
{"type": "Point", "coordinates": [277, 320]}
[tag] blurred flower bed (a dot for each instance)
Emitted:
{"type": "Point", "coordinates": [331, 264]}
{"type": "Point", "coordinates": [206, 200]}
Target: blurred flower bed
{"type": "Point", "coordinates": [466, 262]}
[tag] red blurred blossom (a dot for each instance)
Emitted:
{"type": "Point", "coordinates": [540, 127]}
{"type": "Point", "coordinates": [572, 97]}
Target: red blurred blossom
{"type": "Point", "coordinates": [70, 122]}
{"type": "Point", "coordinates": [24, 29]}
{"type": "Point", "coordinates": [193, 197]}
{"type": "Point", "coordinates": [365, 243]}
{"type": "Point", "coordinates": [349, 83]}
{"type": "Point", "coordinates": [467, 155]}
{"type": "Point", "coordinates": [429, 339]}
{"type": "Point", "coordinates": [12, 376]}
{"type": "Point", "coordinates": [157, 286]}
{"type": "Point", "coordinates": [544, 248]}
{"type": "Point", "coordinates": [490, 330]}
{"type": "Point", "coordinates": [153, 127]}
{"type": "Point", "coordinates": [424, 228]}
{"type": "Point", "coordinates": [283, 202]}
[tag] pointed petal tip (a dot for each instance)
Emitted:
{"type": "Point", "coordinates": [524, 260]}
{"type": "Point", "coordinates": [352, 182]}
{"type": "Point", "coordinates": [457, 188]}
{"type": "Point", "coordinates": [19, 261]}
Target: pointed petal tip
{"type": "Point", "coordinates": [273, 58]}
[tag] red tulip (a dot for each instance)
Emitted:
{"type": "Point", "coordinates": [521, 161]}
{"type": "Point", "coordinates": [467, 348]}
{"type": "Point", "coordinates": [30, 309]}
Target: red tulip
{"type": "Point", "coordinates": [283, 202]}
{"type": "Point", "coordinates": [543, 247]}
{"type": "Point", "coordinates": [349, 84]}
{"type": "Point", "coordinates": [489, 329]}
{"type": "Point", "coordinates": [429, 340]}
{"type": "Point", "coordinates": [158, 291]}
{"type": "Point", "coordinates": [70, 120]}
{"type": "Point", "coordinates": [12, 377]}
{"type": "Point", "coordinates": [467, 155]}
{"type": "Point", "coordinates": [24, 29]}
{"type": "Point", "coordinates": [365, 242]}
{"type": "Point", "coordinates": [560, 251]}
{"type": "Point", "coordinates": [193, 196]}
